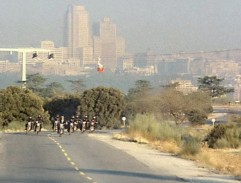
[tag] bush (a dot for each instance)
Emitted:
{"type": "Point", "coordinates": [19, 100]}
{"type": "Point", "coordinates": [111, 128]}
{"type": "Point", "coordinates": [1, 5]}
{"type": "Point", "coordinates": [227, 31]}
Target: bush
{"type": "Point", "coordinates": [223, 136]}
{"type": "Point", "coordinates": [106, 103]}
{"type": "Point", "coordinates": [196, 117]}
{"type": "Point", "coordinates": [148, 126]}
{"type": "Point", "coordinates": [18, 104]}
{"type": "Point", "coordinates": [191, 145]}
{"type": "Point", "coordinates": [15, 125]}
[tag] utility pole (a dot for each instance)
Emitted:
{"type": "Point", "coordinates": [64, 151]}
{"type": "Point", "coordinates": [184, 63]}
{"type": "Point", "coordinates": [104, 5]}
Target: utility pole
{"type": "Point", "coordinates": [24, 52]}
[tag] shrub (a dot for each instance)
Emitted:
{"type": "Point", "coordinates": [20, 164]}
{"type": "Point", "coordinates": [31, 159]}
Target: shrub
{"type": "Point", "coordinates": [148, 126]}
{"type": "Point", "coordinates": [196, 117]}
{"type": "Point", "coordinates": [106, 103]}
{"type": "Point", "coordinates": [18, 104]}
{"type": "Point", "coordinates": [223, 136]}
{"type": "Point", "coordinates": [191, 145]}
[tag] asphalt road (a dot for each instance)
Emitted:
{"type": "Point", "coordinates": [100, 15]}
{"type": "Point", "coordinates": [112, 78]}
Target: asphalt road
{"type": "Point", "coordinates": [48, 158]}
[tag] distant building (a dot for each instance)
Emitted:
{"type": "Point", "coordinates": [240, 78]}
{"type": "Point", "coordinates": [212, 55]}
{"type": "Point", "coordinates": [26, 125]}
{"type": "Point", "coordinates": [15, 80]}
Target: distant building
{"type": "Point", "coordinates": [185, 86]}
{"type": "Point", "coordinates": [78, 36]}
{"type": "Point", "coordinates": [126, 63]}
{"type": "Point", "coordinates": [237, 88]}
{"type": "Point", "coordinates": [173, 67]}
{"type": "Point", "coordinates": [108, 43]}
{"type": "Point", "coordinates": [223, 68]}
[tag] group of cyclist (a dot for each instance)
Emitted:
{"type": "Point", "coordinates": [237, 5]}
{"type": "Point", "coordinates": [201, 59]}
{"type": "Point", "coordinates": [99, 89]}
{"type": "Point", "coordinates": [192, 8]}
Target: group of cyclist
{"type": "Point", "coordinates": [34, 124]}
{"type": "Point", "coordinates": [59, 124]}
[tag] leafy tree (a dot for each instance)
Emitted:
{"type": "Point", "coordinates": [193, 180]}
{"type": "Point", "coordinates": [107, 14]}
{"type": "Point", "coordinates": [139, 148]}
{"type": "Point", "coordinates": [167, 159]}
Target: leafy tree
{"type": "Point", "coordinates": [140, 89]}
{"type": "Point", "coordinates": [139, 99]}
{"type": "Point", "coordinates": [52, 90]}
{"type": "Point", "coordinates": [63, 105]}
{"type": "Point", "coordinates": [173, 103]}
{"type": "Point", "coordinates": [200, 101]}
{"type": "Point", "coordinates": [77, 86]}
{"type": "Point", "coordinates": [194, 106]}
{"type": "Point", "coordinates": [212, 85]}
{"type": "Point", "coordinates": [107, 103]}
{"type": "Point", "coordinates": [198, 107]}
{"type": "Point", "coordinates": [196, 117]}
{"type": "Point", "coordinates": [18, 104]}
{"type": "Point", "coordinates": [35, 82]}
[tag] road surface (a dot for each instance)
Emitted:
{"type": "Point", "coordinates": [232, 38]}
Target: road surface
{"type": "Point", "coordinates": [48, 158]}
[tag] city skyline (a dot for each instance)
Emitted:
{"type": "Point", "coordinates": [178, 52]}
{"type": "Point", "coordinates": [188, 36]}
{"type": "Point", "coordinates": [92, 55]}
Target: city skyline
{"type": "Point", "coordinates": [159, 25]}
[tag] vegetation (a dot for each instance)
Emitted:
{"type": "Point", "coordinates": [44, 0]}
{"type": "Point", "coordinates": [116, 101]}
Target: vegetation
{"type": "Point", "coordinates": [139, 99]}
{"type": "Point", "coordinates": [153, 114]}
{"type": "Point", "coordinates": [147, 126]}
{"type": "Point", "coordinates": [224, 136]}
{"type": "Point", "coordinates": [211, 85]}
{"type": "Point", "coordinates": [190, 145]}
{"type": "Point", "coordinates": [62, 105]}
{"type": "Point", "coordinates": [18, 104]}
{"type": "Point", "coordinates": [105, 103]}
{"type": "Point", "coordinates": [77, 86]}
{"type": "Point", "coordinates": [174, 104]}
{"type": "Point", "coordinates": [36, 83]}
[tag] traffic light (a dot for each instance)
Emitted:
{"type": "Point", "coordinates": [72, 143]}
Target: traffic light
{"type": "Point", "coordinates": [34, 55]}
{"type": "Point", "coordinates": [51, 56]}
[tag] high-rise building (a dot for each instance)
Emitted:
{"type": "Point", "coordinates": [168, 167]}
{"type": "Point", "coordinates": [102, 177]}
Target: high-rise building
{"type": "Point", "coordinates": [108, 43]}
{"type": "Point", "coordinates": [120, 46]}
{"type": "Point", "coordinates": [78, 34]}
{"type": "Point", "coordinates": [97, 47]}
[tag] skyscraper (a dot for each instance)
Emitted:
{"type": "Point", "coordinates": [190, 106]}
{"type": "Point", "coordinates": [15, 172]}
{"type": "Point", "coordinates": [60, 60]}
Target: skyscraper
{"type": "Point", "coordinates": [78, 36]}
{"type": "Point", "coordinates": [108, 43]}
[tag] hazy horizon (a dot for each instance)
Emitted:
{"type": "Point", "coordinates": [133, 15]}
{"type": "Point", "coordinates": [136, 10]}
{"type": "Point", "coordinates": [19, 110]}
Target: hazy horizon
{"type": "Point", "coordinates": [164, 26]}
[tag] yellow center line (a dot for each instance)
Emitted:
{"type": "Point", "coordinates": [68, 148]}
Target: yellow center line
{"type": "Point", "coordinates": [69, 159]}
{"type": "Point", "coordinates": [89, 178]}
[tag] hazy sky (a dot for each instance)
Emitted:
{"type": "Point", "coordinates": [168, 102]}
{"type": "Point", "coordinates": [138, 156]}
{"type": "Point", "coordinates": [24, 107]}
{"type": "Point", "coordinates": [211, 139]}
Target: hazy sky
{"type": "Point", "coordinates": [164, 26]}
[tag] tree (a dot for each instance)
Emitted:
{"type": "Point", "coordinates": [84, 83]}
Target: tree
{"type": "Point", "coordinates": [196, 117]}
{"type": "Point", "coordinates": [18, 104]}
{"type": "Point", "coordinates": [139, 99]}
{"type": "Point", "coordinates": [212, 85]}
{"type": "Point", "coordinates": [194, 106]}
{"type": "Point", "coordinates": [198, 107]}
{"type": "Point", "coordinates": [35, 82]}
{"type": "Point", "coordinates": [140, 89]}
{"type": "Point", "coordinates": [63, 105]}
{"type": "Point", "coordinates": [173, 103]}
{"type": "Point", "coordinates": [52, 90]}
{"type": "Point", "coordinates": [77, 86]}
{"type": "Point", "coordinates": [106, 103]}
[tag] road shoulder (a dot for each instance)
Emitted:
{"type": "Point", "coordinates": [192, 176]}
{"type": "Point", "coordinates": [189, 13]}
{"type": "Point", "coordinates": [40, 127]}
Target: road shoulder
{"type": "Point", "coordinates": [183, 169]}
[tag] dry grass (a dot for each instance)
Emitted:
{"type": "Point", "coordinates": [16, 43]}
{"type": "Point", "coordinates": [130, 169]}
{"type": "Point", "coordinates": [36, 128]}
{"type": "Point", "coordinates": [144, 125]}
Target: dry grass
{"type": "Point", "coordinates": [222, 160]}
{"type": "Point", "coordinates": [166, 146]}
{"type": "Point", "coordinates": [225, 161]}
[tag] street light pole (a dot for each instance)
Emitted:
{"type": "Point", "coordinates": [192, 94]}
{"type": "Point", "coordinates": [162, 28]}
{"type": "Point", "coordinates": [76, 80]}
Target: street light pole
{"type": "Point", "coordinates": [24, 52]}
{"type": "Point", "coordinates": [24, 70]}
